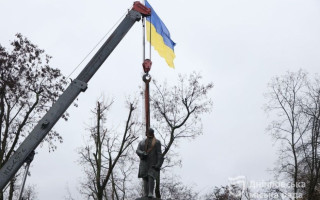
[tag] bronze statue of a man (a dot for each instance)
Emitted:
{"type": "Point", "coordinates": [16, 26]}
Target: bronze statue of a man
{"type": "Point", "coordinates": [149, 151]}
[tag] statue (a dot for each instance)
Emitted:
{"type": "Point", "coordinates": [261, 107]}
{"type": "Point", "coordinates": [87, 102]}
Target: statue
{"type": "Point", "coordinates": [149, 151]}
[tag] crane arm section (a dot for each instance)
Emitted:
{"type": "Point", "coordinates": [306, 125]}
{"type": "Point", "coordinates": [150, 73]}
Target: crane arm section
{"type": "Point", "coordinates": [78, 85]}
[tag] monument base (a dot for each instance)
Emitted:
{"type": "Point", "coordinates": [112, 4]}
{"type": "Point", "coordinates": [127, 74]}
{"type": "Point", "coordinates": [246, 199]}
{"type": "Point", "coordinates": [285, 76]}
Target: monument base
{"type": "Point", "coordinates": [146, 198]}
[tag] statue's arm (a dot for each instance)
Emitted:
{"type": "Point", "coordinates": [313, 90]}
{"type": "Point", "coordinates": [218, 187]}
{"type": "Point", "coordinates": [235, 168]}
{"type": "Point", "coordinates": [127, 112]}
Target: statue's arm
{"type": "Point", "coordinates": [160, 157]}
{"type": "Point", "coordinates": [139, 151]}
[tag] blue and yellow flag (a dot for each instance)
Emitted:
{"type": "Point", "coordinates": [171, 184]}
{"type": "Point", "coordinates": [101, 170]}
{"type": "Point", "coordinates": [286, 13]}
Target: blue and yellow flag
{"type": "Point", "coordinates": [160, 37]}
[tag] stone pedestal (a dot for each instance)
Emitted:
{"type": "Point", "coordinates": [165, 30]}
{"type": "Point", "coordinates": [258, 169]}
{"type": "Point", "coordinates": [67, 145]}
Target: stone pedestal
{"type": "Point", "coordinates": [146, 198]}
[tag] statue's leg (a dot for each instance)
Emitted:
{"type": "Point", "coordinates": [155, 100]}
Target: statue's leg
{"type": "Point", "coordinates": [151, 186]}
{"type": "Point", "coordinates": [145, 186]}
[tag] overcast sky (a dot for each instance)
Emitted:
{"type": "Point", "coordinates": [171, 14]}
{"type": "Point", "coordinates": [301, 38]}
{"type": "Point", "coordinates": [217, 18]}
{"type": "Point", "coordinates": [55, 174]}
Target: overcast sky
{"type": "Point", "coordinates": [239, 45]}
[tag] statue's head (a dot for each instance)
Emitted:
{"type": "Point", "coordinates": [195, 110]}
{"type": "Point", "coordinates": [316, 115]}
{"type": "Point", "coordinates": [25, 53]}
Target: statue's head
{"type": "Point", "coordinates": [150, 133]}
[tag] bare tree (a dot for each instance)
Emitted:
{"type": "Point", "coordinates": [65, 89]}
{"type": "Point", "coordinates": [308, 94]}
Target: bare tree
{"type": "Point", "coordinates": [30, 193]}
{"type": "Point", "coordinates": [14, 186]}
{"type": "Point", "coordinates": [284, 98]}
{"type": "Point", "coordinates": [294, 98]}
{"type": "Point", "coordinates": [172, 188]}
{"type": "Point", "coordinates": [107, 149]}
{"type": "Point", "coordinates": [69, 195]}
{"type": "Point", "coordinates": [229, 192]}
{"type": "Point", "coordinates": [177, 113]}
{"type": "Point", "coordinates": [28, 87]}
{"type": "Point", "coordinates": [310, 162]}
{"type": "Point", "coordinates": [123, 180]}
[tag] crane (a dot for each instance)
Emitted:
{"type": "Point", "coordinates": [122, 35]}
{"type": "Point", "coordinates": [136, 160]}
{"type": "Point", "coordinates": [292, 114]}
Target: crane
{"type": "Point", "coordinates": [78, 85]}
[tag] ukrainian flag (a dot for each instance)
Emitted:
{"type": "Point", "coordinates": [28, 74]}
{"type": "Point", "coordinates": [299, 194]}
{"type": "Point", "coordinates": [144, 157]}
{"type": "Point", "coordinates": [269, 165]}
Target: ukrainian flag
{"type": "Point", "coordinates": [160, 37]}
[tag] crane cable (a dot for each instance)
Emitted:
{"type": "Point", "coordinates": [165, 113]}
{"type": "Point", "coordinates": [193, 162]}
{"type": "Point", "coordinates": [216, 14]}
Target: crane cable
{"type": "Point", "coordinates": [98, 44]}
{"type": "Point", "coordinates": [145, 85]}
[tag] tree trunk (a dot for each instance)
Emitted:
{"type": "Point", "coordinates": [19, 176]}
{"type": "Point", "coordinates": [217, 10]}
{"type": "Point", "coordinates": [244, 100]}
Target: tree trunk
{"type": "Point", "coordinates": [12, 185]}
{"type": "Point", "coordinates": [295, 175]}
{"type": "Point", "coordinates": [100, 195]}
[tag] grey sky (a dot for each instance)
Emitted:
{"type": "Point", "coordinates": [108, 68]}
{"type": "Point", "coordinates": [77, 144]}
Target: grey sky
{"type": "Point", "coordinates": [237, 44]}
